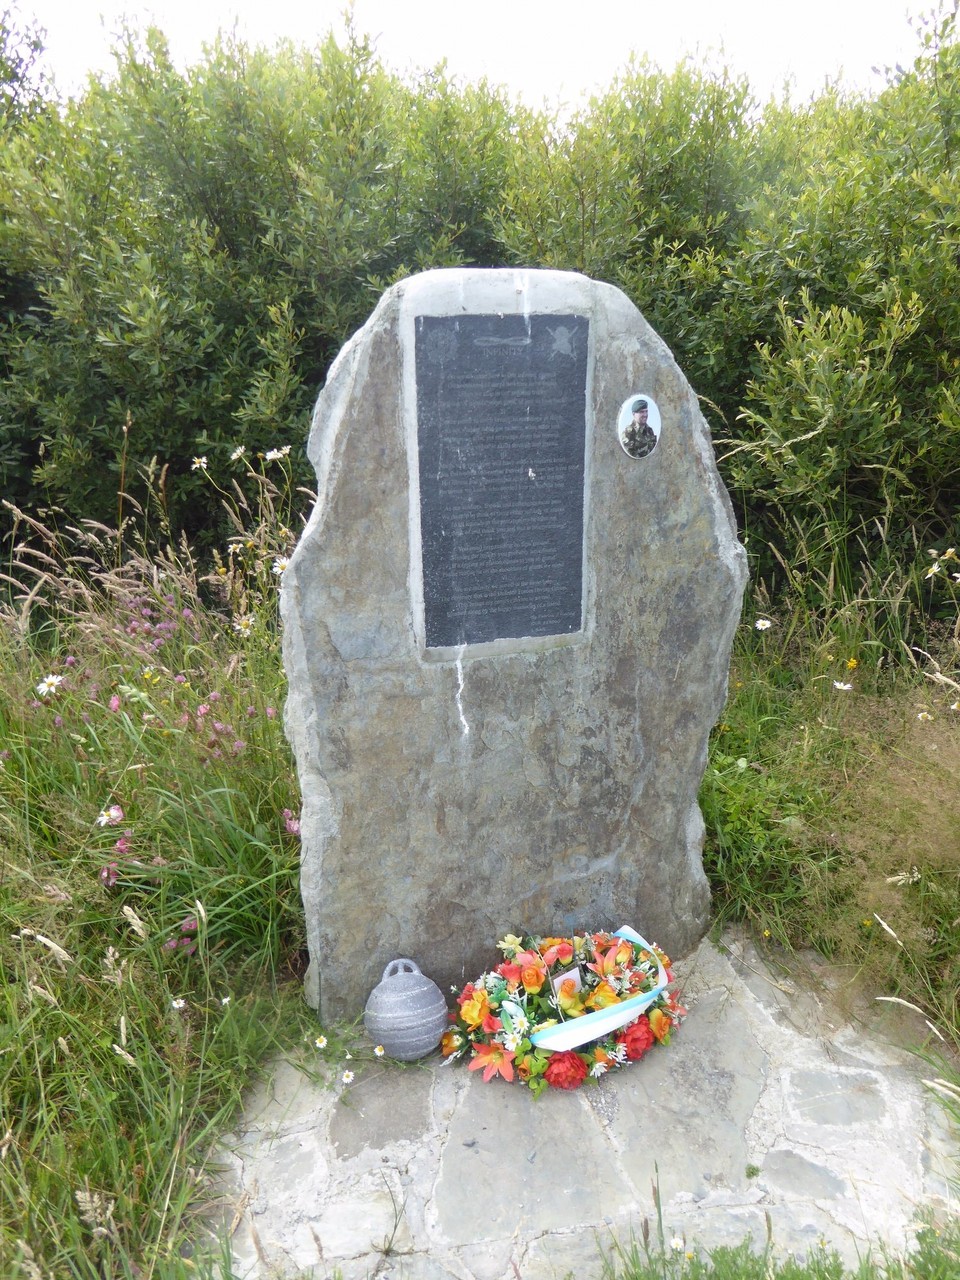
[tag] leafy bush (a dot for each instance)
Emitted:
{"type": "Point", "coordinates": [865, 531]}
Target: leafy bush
{"type": "Point", "coordinates": [200, 244]}
{"type": "Point", "coordinates": [185, 252]}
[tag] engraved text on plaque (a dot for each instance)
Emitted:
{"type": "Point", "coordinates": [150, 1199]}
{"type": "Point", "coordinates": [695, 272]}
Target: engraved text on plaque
{"type": "Point", "coordinates": [501, 431]}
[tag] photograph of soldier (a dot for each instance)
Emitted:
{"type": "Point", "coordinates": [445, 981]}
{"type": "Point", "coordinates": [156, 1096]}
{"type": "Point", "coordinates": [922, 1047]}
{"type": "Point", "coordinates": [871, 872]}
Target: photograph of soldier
{"type": "Point", "coordinates": [639, 426]}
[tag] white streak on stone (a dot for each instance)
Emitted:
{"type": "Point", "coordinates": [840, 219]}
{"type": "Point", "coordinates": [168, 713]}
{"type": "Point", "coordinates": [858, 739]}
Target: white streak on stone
{"type": "Point", "coordinates": [464, 727]}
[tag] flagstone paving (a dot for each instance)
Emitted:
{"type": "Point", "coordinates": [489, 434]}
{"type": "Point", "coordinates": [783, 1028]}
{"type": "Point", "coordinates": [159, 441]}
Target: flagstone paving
{"type": "Point", "coordinates": [769, 1113]}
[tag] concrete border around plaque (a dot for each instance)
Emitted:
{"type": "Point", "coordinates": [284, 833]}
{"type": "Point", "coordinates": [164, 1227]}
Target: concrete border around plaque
{"type": "Point", "coordinates": [565, 329]}
{"type": "Point", "coordinates": [638, 425]}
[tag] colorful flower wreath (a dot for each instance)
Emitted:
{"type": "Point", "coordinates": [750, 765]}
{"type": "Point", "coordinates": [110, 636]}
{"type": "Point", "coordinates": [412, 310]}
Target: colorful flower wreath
{"type": "Point", "coordinates": [507, 1020]}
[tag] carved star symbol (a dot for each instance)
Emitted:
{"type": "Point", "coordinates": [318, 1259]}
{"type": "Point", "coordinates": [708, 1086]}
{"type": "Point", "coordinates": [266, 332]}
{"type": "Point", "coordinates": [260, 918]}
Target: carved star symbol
{"type": "Point", "coordinates": [562, 341]}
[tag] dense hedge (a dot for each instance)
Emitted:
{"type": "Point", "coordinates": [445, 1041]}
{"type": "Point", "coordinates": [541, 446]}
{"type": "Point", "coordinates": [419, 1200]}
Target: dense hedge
{"type": "Point", "coordinates": [181, 254]}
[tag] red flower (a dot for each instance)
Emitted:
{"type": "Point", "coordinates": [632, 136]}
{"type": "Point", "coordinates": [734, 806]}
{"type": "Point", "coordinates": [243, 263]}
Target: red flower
{"type": "Point", "coordinates": [558, 949]}
{"type": "Point", "coordinates": [565, 1070]}
{"type": "Point", "coordinates": [511, 972]}
{"type": "Point", "coordinates": [637, 1038]}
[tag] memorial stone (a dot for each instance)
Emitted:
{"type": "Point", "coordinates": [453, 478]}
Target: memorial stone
{"type": "Point", "coordinates": [507, 629]}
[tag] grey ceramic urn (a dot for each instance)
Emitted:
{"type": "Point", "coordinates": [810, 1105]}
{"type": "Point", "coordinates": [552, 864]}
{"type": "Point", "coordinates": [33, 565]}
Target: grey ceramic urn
{"type": "Point", "coordinates": [406, 1012]}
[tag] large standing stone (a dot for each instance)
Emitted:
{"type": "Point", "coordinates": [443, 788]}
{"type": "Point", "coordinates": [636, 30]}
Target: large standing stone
{"type": "Point", "coordinates": [507, 628]}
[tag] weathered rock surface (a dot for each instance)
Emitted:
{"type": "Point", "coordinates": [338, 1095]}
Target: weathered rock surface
{"type": "Point", "coordinates": [542, 784]}
{"type": "Point", "coordinates": [766, 1114]}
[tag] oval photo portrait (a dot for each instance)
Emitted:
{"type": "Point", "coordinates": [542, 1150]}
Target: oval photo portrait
{"type": "Point", "coordinates": [638, 425]}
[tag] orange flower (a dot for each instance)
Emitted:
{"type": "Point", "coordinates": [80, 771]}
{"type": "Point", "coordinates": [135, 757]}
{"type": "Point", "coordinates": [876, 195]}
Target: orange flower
{"type": "Point", "coordinates": [474, 1010]}
{"type": "Point", "coordinates": [610, 961]}
{"type": "Point", "coordinates": [494, 1059]}
{"type": "Point", "coordinates": [533, 978]}
{"type": "Point", "coordinates": [450, 1042]}
{"type": "Point", "coordinates": [569, 998]}
{"type": "Point", "coordinates": [660, 1025]}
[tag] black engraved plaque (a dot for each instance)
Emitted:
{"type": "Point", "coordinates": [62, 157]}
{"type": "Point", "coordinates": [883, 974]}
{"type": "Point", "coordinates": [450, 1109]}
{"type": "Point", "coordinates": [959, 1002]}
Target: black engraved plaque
{"type": "Point", "coordinates": [501, 431]}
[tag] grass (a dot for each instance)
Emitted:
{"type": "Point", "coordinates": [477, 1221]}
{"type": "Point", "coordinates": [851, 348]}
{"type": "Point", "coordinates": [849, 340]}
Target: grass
{"type": "Point", "coordinates": [152, 942]}
{"type": "Point", "coordinates": [830, 796]}
{"type": "Point", "coordinates": [151, 937]}
{"type": "Point", "coordinates": [936, 1257]}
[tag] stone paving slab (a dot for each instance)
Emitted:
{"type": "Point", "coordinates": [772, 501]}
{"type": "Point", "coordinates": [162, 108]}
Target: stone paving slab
{"type": "Point", "coordinates": [768, 1114]}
